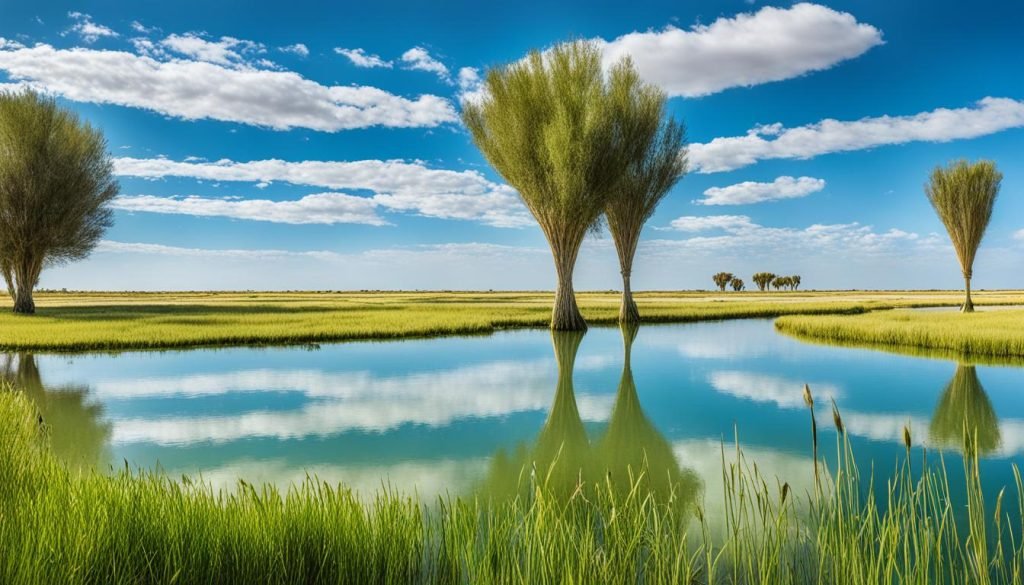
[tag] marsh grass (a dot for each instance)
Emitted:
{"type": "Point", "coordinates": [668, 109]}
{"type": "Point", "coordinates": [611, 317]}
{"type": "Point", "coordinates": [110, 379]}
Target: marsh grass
{"type": "Point", "coordinates": [113, 322]}
{"type": "Point", "coordinates": [59, 526]}
{"type": "Point", "coordinates": [984, 337]}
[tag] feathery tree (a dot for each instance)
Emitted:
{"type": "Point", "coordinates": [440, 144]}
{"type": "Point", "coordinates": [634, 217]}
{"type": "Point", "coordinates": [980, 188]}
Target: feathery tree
{"type": "Point", "coordinates": [963, 195]}
{"type": "Point", "coordinates": [722, 280]}
{"type": "Point", "coordinates": [737, 284]}
{"type": "Point", "coordinates": [548, 124]}
{"type": "Point", "coordinates": [56, 180]}
{"type": "Point", "coordinates": [780, 282]}
{"type": "Point", "coordinates": [648, 178]}
{"type": "Point", "coordinates": [763, 280]}
{"type": "Point", "coordinates": [794, 281]}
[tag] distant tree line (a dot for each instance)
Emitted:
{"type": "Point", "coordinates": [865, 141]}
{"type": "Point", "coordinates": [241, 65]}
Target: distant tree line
{"type": "Point", "coordinates": [763, 280]}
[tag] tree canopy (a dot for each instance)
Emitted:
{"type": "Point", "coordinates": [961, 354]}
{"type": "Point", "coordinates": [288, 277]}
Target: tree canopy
{"type": "Point", "coordinates": [963, 195]}
{"type": "Point", "coordinates": [550, 125]}
{"type": "Point", "coordinates": [56, 179]}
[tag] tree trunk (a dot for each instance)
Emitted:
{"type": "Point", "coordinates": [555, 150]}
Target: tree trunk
{"type": "Point", "coordinates": [968, 304]}
{"type": "Point", "coordinates": [23, 302]}
{"type": "Point", "coordinates": [628, 312]}
{"type": "Point", "coordinates": [566, 314]}
{"type": "Point", "coordinates": [26, 276]}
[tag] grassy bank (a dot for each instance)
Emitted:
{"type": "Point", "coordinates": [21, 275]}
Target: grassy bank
{"type": "Point", "coordinates": [60, 527]}
{"type": "Point", "coordinates": [988, 336]}
{"type": "Point", "coordinates": [110, 321]}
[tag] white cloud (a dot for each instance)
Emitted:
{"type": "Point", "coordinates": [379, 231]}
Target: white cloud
{"type": "Point", "coordinates": [471, 85]}
{"type": "Point", "coordinates": [693, 223]}
{"type": "Point", "coordinates": [742, 234]}
{"type": "Point", "coordinates": [141, 28]}
{"type": "Point", "coordinates": [297, 49]}
{"type": "Point", "coordinates": [773, 141]}
{"type": "Point", "coordinates": [9, 44]}
{"type": "Point", "coordinates": [361, 58]}
{"type": "Point", "coordinates": [87, 29]}
{"type": "Point", "coordinates": [751, 48]}
{"type": "Point", "coordinates": [227, 51]}
{"type": "Point", "coordinates": [420, 59]}
{"type": "Point", "coordinates": [200, 90]}
{"type": "Point", "coordinates": [320, 208]}
{"type": "Point", "coordinates": [397, 185]}
{"type": "Point", "coordinates": [753, 192]}
{"type": "Point", "coordinates": [1019, 235]}
{"type": "Point", "coordinates": [499, 208]}
{"type": "Point", "coordinates": [112, 247]}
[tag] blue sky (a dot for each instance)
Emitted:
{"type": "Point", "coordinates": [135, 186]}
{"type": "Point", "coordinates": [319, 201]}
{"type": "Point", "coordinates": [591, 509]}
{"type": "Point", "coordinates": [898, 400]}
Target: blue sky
{"type": "Point", "coordinates": [316, 145]}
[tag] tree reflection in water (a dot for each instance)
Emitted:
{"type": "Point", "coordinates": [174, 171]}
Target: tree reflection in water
{"type": "Point", "coordinates": [965, 408]}
{"type": "Point", "coordinates": [78, 433]}
{"type": "Point", "coordinates": [630, 453]}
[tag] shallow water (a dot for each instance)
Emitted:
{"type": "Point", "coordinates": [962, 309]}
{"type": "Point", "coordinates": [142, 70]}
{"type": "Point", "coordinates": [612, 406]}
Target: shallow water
{"type": "Point", "coordinates": [451, 414]}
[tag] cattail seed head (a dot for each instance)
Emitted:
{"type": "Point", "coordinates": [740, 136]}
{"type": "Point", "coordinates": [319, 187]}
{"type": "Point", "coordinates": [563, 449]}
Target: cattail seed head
{"type": "Point", "coordinates": [906, 436]}
{"type": "Point", "coordinates": [808, 399]}
{"type": "Point", "coordinates": [836, 418]}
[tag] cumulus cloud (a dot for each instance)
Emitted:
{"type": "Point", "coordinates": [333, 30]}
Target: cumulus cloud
{"type": "Point", "coordinates": [360, 58]}
{"type": "Point", "coordinates": [226, 51]}
{"type": "Point", "coordinates": [988, 116]}
{"type": "Point", "coordinates": [471, 85]}
{"type": "Point", "coordinates": [193, 89]}
{"type": "Point", "coordinates": [771, 44]}
{"type": "Point", "coordinates": [87, 29]}
{"type": "Point", "coordinates": [742, 234]}
{"type": "Point", "coordinates": [397, 186]}
{"type": "Point", "coordinates": [419, 59]}
{"type": "Point", "coordinates": [297, 49]}
{"type": "Point", "coordinates": [1019, 235]}
{"type": "Point", "coordinates": [693, 223]}
{"type": "Point", "coordinates": [754, 192]}
{"type": "Point", "coordinates": [320, 208]}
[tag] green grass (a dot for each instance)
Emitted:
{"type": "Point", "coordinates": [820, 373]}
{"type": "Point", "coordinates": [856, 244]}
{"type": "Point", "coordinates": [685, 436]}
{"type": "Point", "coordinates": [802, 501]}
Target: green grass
{"type": "Point", "coordinates": [57, 526]}
{"type": "Point", "coordinates": [986, 336]}
{"type": "Point", "coordinates": [113, 321]}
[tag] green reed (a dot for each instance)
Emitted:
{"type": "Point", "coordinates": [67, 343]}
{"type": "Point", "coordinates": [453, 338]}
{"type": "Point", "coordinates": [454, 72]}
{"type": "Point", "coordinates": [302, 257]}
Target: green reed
{"type": "Point", "coordinates": [61, 526]}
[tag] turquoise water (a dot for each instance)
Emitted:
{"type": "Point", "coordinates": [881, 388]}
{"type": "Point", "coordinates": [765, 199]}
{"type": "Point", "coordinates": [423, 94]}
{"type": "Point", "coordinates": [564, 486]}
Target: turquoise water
{"type": "Point", "coordinates": [432, 415]}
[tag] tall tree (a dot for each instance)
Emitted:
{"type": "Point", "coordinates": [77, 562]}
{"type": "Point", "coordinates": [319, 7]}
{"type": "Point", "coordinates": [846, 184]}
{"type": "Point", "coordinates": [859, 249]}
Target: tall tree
{"type": "Point", "coordinates": [795, 281]}
{"type": "Point", "coordinates": [56, 180]}
{"type": "Point", "coordinates": [963, 195]}
{"type": "Point", "coordinates": [648, 178]}
{"type": "Point", "coordinates": [737, 284]}
{"type": "Point", "coordinates": [548, 125]}
{"type": "Point", "coordinates": [763, 280]}
{"type": "Point", "coordinates": [722, 280]}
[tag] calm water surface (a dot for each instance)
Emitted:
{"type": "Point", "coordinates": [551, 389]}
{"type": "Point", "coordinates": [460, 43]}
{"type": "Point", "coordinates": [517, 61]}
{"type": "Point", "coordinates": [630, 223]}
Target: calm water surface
{"type": "Point", "coordinates": [445, 415]}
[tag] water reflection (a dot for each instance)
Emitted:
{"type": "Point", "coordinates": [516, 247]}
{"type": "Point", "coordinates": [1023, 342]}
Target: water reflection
{"type": "Point", "coordinates": [964, 406]}
{"type": "Point", "coordinates": [78, 432]}
{"type": "Point", "coordinates": [632, 443]}
{"type": "Point", "coordinates": [630, 453]}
